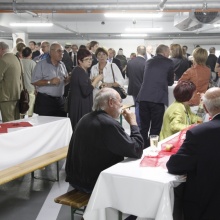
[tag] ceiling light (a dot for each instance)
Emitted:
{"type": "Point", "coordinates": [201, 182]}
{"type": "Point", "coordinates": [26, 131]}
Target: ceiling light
{"type": "Point", "coordinates": [133, 35]}
{"type": "Point", "coordinates": [130, 15]}
{"type": "Point", "coordinates": [216, 25]}
{"type": "Point", "coordinates": [139, 30]}
{"type": "Point", "coordinates": [31, 24]}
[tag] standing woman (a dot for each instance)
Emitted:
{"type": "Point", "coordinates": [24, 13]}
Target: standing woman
{"type": "Point", "coordinates": [180, 63]}
{"type": "Point", "coordinates": [28, 68]}
{"type": "Point", "coordinates": [199, 74]}
{"type": "Point", "coordinates": [81, 88]}
{"type": "Point", "coordinates": [107, 69]}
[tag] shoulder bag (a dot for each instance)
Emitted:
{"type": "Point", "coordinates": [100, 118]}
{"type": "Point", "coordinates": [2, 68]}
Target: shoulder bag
{"type": "Point", "coordinates": [119, 88]}
{"type": "Point", "coordinates": [23, 103]}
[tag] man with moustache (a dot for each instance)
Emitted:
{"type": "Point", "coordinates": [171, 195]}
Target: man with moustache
{"type": "Point", "coordinates": [50, 76]}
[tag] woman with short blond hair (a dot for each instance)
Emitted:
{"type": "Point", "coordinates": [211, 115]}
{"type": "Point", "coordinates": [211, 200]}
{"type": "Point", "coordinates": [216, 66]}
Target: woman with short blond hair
{"type": "Point", "coordinates": [199, 74]}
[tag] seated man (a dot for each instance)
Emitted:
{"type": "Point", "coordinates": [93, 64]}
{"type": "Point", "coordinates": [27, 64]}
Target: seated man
{"type": "Point", "coordinates": [99, 141]}
{"type": "Point", "coordinates": [198, 158]}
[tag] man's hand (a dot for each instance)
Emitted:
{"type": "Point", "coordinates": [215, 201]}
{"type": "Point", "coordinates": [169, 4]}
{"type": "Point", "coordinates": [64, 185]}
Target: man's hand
{"type": "Point", "coordinates": [55, 81]}
{"type": "Point", "coordinates": [129, 117]}
{"type": "Point", "coordinates": [67, 79]}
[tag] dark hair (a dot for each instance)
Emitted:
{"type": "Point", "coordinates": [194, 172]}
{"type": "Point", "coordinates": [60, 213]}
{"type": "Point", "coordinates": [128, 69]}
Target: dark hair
{"type": "Point", "coordinates": [184, 90]}
{"type": "Point", "coordinates": [33, 42]}
{"type": "Point", "coordinates": [82, 47]}
{"type": "Point", "coordinates": [101, 49]}
{"type": "Point", "coordinates": [82, 53]}
{"type": "Point", "coordinates": [26, 52]}
{"type": "Point", "coordinates": [92, 44]}
{"type": "Point", "coordinates": [161, 48]}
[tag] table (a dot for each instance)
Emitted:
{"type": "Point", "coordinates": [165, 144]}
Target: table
{"type": "Point", "coordinates": [146, 192]}
{"type": "Point", "coordinates": [46, 135]}
{"type": "Point", "coordinates": [171, 98]}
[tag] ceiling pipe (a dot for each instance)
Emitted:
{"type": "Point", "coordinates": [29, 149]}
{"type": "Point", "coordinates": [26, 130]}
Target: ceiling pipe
{"type": "Point", "coordinates": [59, 7]}
{"type": "Point", "coordinates": [162, 4]}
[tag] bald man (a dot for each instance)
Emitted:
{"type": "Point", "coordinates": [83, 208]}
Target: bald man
{"type": "Point", "coordinates": [198, 159]}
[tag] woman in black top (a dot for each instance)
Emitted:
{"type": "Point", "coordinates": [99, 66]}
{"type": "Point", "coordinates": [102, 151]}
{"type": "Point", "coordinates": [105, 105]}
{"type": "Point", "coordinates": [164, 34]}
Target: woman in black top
{"type": "Point", "coordinates": [180, 63]}
{"type": "Point", "coordinates": [81, 88]}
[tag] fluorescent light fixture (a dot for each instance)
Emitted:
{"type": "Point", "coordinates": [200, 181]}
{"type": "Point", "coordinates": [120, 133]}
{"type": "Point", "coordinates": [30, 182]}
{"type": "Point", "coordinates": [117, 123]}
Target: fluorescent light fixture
{"type": "Point", "coordinates": [216, 25]}
{"type": "Point", "coordinates": [139, 30]}
{"type": "Point", "coordinates": [133, 35]}
{"type": "Point", "coordinates": [131, 15]}
{"type": "Point", "coordinates": [31, 24]}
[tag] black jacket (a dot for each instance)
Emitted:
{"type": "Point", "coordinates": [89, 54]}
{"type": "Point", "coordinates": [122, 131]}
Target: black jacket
{"type": "Point", "coordinates": [99, 142]}
{"type": "Point", "coordinates": [198, 157]}
{"type": "Point", "coordinates": [158, 75]}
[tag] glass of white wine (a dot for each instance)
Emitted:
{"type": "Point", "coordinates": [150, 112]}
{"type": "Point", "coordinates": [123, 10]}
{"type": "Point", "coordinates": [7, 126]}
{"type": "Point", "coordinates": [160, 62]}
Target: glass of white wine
{"type": "Point", "coordinates": [154, 140]}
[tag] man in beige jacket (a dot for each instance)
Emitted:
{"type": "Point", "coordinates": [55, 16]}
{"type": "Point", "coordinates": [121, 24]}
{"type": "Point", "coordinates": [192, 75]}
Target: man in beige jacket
{"type": "Point", "coordinates": [10, 84]}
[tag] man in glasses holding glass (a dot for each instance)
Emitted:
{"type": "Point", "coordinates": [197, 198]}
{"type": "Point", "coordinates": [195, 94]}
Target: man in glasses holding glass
{"type": "Point", "coordinates": [49, 77]}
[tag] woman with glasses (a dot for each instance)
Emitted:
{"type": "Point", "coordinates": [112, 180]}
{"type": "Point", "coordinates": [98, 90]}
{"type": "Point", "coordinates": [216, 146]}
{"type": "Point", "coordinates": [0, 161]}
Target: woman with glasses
{"type": "Point", "coordinates": [107, 69]}
{"type": "Point", "coordinates": [178, 115]}
{"type": "Point", "coordinates": [81, 88]}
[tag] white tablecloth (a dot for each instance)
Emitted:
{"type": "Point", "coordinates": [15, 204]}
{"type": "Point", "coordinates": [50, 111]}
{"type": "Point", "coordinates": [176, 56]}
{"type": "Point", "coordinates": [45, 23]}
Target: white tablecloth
{"type": "Point", "coordinates": [46, 135]}
{"type": "Point", "coordinates": [171, 98]}
{"type": "Point", "coordinates": [146, 192]}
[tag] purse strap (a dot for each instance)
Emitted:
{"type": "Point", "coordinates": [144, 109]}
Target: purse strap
{"type": "Point", "coordinates": [22, 72]}
{"type": "Point", "coordinates": [113, 74]}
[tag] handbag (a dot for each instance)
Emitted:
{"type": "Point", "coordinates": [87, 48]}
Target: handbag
{"type": "Point", "coordinates": [119, 88]}
{"type": "Point", "coordinates": [23, 103]}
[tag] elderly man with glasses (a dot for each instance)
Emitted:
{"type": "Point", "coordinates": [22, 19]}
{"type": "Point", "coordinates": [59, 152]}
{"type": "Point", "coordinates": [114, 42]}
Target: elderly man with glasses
{"type": "Point", "coordinates": [50, 76]}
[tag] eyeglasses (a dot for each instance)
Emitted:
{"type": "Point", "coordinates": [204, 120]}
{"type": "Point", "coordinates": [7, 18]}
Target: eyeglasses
{"type": "Point", "coordinates": [87, 59]}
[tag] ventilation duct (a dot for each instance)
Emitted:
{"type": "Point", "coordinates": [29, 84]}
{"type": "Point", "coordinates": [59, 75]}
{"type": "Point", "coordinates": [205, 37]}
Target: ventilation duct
{"type": "Point", "coordinates": [206, 17]}
{"type": "Point", "coordinates": [190, 21]}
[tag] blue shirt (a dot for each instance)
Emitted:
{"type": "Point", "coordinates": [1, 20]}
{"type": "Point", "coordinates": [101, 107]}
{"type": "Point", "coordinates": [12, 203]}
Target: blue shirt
{"type": "Point", "coordinates": [45, 70]}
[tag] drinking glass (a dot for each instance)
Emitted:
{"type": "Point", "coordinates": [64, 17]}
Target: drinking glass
{"type": "Point", "coordinates": [154, 140]}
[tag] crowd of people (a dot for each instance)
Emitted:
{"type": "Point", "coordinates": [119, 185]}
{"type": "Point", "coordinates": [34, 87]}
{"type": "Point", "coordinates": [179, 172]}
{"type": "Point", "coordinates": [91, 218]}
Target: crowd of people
{"type": "Point", "coordinates": [84, 78]}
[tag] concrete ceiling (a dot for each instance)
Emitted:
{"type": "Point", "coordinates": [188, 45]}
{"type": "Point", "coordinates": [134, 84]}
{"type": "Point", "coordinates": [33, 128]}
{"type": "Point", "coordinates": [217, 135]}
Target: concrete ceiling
{"type": "Point", "coordinates": [85, 19]}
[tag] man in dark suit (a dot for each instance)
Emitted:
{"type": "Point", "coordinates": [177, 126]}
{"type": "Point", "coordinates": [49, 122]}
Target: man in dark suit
{"type": "Point", "coordinates": [67, 59]}
{"type": "Point", "coordinates": [153, 95]}
{"type": "Point", "coordinates": [69, 66]}
{"type": "Point", "coordinates": [112, 59]}
{"type": "Point", "coordinates": [135, 74]}
{"type": "Point", "coordinates": [198, 158]}
{"type": "Point", "coordinates": [73, 55]}
{"type": "Point", "coordinates": [93, 45]}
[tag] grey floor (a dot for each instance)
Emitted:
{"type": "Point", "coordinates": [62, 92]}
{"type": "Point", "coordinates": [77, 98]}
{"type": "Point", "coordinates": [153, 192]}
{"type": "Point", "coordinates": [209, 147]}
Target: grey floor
{"type": "Point", "coordinates": [30, 199]}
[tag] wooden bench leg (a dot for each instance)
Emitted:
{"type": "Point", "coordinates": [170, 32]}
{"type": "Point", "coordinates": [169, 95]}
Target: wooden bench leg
{"type": "Point", "coordinates": [42, 178]}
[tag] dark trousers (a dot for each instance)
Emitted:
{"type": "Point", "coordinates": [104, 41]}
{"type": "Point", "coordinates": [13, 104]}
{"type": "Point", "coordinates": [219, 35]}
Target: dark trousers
{"type": "Point", "coordinates": [49, 106]}
{"type": "Point", "coordinates": [151, 117]}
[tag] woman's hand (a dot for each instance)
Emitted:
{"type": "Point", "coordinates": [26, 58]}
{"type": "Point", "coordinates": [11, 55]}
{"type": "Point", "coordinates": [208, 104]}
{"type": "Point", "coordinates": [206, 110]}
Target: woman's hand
{"type": "Point", "coordinates": [97, 79]}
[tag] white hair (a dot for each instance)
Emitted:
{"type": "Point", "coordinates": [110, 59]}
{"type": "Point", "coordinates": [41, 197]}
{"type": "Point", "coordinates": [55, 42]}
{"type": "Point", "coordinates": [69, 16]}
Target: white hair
{"type": "Point", "coordinates": [101, 99]}
{"type": "Point", "coordinates": [211, 100]}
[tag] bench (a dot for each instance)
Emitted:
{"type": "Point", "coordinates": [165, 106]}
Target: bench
{"type": "Point", "coordinates": [75, 199]}
{"type": "Point", "coordinates": [32, 165]}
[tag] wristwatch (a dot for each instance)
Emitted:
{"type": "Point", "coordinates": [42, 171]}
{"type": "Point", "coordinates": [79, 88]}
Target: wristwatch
{"type": "Point", "coordinates": [48, 82]}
